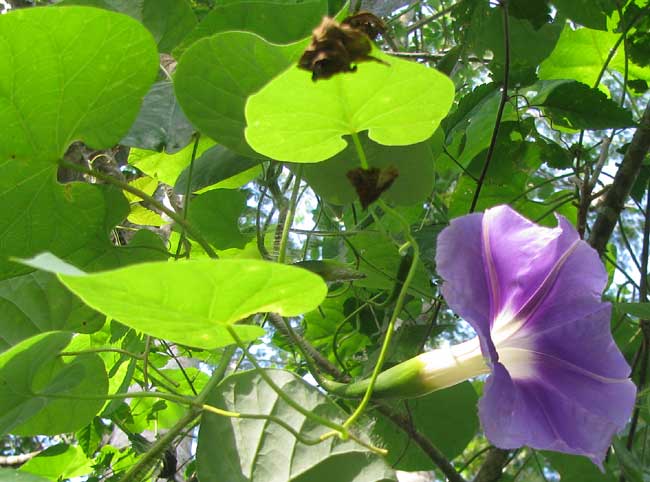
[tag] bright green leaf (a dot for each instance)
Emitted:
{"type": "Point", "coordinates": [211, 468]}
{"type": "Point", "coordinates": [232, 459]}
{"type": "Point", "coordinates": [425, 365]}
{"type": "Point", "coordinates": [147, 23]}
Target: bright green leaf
{"type": "Point", "coordinates": [217, 74]}
{"type": "Point", "coordinates": [31, 370]}
{"type": "Point", "coordinates": [266, 452]}
{"type": "Point", "coordinates": [297, 120]}
{"type": "Point", "coordinates": [84, 82]}
{"type": "Point", "coordinates": [167, 167]}
{"type": "Point", "coordinates": [580, 55]}
{"type": "Point", "coordinates": [10, 475]}
{"type": "Point", "coordinates": [191, 302]}
{"type": "Point", "coordinates": [59, 461]}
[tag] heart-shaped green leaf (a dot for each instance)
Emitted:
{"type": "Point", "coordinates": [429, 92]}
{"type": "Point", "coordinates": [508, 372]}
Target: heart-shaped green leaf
{"type": "Point", "coordinates": [216, 75]}
{"type": "Point", "coordinates": [266, 452]}
{"type": "Point", "coordinates": [32, 370]}
{"type": "Point", "coordinates": [156, 15]}
{"type": "Point", "coordinates": [414, 165]}
{"type": "Point", "coordinates": [297, 120]}
{"type": "Point", "coordinates": [85, 81]}
{"type": "Point", "coordinates": [191, 302]}
{"type": "Point", "coordinates": [281, 22]}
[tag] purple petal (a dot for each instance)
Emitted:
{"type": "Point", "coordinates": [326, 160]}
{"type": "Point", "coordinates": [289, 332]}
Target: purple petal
{"type": "Point", "coordinates": [549, 413]}
{"type": "Point", "coordinates": [520, 255]}
{"type": "Point", "coordinates": [459, 261]}
{"type": "Point", "coordinates": [533, 294]}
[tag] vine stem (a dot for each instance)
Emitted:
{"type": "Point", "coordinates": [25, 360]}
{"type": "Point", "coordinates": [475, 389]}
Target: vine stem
{"type": "Point", "coordinates": [288, 221]}
{"type": "Point", "coordinates": [360, 152]}
{"type": "Point", "coordinates": [502, 105]}
{"type": "Point", "coordinates": [178, 219]}
{"type": "Point", "coordinates": [188, 191]}
{"type": "Point", "coordinates": [399, 303]}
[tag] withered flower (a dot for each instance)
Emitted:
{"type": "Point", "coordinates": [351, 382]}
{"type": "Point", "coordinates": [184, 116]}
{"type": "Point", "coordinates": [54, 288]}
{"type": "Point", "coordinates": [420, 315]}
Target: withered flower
{"type": "Point", "coordinates": [336, 48]}
{"type": "Point", "coordinates": [371, 183]}
{"type": "Point", "coordinates": [367, 22]}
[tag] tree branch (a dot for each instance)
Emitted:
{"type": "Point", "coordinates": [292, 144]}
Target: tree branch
{"type": "Point", "coordinates": [492, 468]}
{"type": "Point", "coordinates": [423, 442]}
{"type": "Point", "coordinates": [626, 175]}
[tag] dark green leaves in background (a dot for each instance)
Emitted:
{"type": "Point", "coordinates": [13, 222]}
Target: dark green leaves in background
{"type": "Point", "coordinates": [217, 74]}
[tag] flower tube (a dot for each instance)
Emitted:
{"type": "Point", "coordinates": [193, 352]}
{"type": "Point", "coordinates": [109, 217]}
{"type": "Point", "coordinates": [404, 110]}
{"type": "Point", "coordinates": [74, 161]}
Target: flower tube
{"type": "Point", "coordinates": [557, 381]}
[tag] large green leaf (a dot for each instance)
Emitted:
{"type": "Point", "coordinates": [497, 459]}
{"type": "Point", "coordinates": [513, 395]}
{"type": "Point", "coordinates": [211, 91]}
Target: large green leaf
{"type": "Point", "coordinates": [323, 324]}
{"type": "Point", "coordinates": [297, 120]}
{"type": "Point", "coordinates": [278, 21]}
{"type": "Point", "coordinates": [590, 13]}
{"type": "Point", "coordinates": [10, 475]}
{"type": "Point", "coordinates": [575, 468]}
{"type": "Point", "coordinates": [580, 55]}
{"type": "Point", "coordinates": [447, 417]}
{"type": "Point", "coordinates": [73, 221]}
{"type": "Point", "coordinates": [469, 128]}
{"type": "Point", "coordinates": [37, 302]}
{"type": "Point", "coordinates": [239, 450]}
{"type": "Point", "coordinates": [379, 261]}
{"type": "Point", "coordinates": [60, 461]}
{"type": "Point", "coordinates": [85, 81]}
{"type": "Point", "coordinates": [161, 124]}
{"type": "Point", "coordinates": [640, 310]}
{"type": "Point", "coordinates": [217, 74]}
{"type": "Point", "coordinates": [216, 214]}
{"type": "Point", "coordinates": [529, 44]}
{"type": "Point", "coordinates": [168, 20]}
{"type": "Point", "coordinates": [218, 167]}
{"type": "Point", "coordinates": [192, 302]}
{"type": "Point", "coordinates": [414, 163]}
{"type": "Point", "coordinates": [577, 106]}
{"type": "Point", "coordinates": [32, 370]}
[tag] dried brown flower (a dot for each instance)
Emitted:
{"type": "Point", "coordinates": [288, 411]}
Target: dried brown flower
{"type": "Point", "coordinates": [371, 183]}
{"type": "Point", "coordinates": [336, 48]}
{"type": "Point", "coordinates": [367, 22]}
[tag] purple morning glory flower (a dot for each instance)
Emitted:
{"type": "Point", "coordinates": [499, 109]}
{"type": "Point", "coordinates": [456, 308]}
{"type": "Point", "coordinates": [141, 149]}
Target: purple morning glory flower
{"type": "Point", "coordinates": [533, 294]}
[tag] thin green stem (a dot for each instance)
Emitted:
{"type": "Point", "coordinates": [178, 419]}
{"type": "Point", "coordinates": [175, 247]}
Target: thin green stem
{"type": "Point", "coordinates": [282, 254]}
{"type": "Point", "coordinates": [121, 352]}
{"type": "Point", "coordinates": [360, 152]}
{"type": "Point", "coordinates": [399, 303]}
{"type": "Point", "coordinates": [178, 219]}
{"type": "Point", "coordinates": [145, 361]}
{"type": "Point", "coordinates": [188, 191]}
{"type": "Point", "coordinates": [218, 373]}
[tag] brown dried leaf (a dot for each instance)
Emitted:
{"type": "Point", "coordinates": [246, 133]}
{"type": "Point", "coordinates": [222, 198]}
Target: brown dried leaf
{"type": "Point", "coordinates": [371, 183]}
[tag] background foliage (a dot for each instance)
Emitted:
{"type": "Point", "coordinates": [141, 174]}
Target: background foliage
{"type": "Point", "coordinates": [151, 131]}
